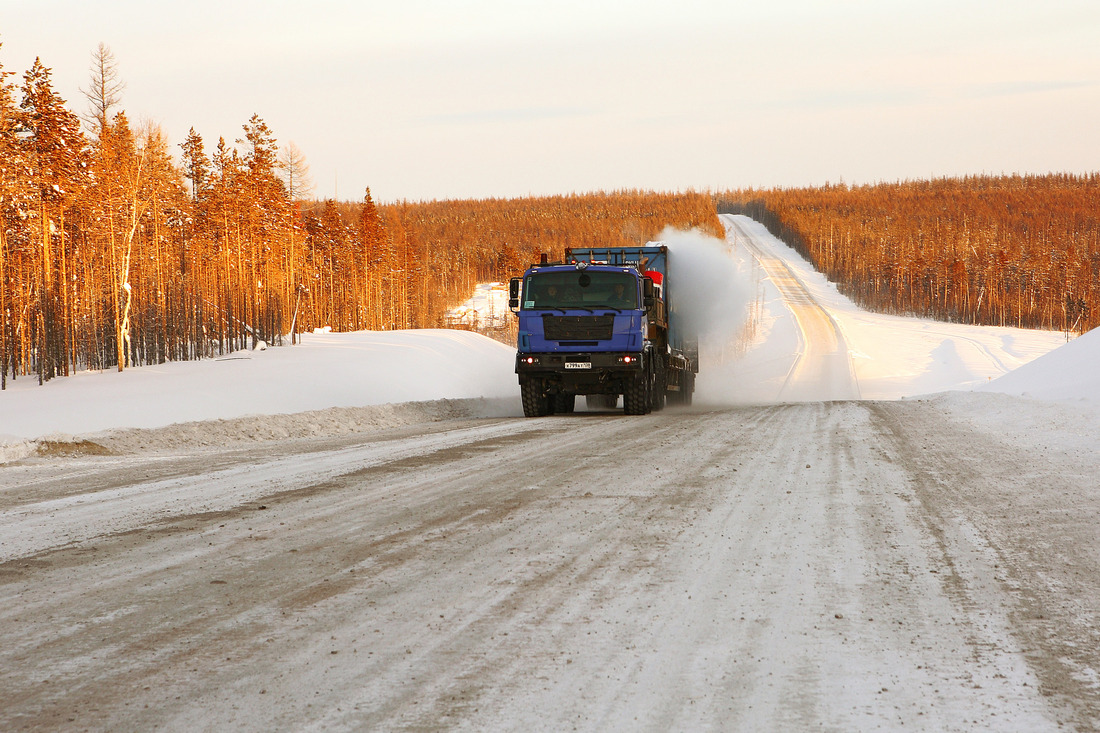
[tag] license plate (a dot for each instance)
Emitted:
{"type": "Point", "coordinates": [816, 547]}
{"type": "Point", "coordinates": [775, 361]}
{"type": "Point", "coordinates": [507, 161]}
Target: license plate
{"type": "Point", "coordinates": [578, 365]}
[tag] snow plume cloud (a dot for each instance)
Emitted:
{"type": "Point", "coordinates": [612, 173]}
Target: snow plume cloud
{"type": "Point", "coordinates": [711, 293]}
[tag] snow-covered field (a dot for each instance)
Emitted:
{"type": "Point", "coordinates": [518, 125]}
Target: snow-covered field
{"type": "Point", "coordinates": [362, 532]}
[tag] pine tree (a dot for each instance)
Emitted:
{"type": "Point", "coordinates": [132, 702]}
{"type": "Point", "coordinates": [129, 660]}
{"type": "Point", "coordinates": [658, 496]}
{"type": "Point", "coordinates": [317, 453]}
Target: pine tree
{"type": "Point", "coordinates": [196, 165]}
{"type": "Point", "coordinates": [55, 152]}
{"type": "Point", "coordinates": [12, 192]}
{"type": "Point", "coordinates": [267, 213]}
{"type": "Point", "coordinates": [372, 243]}
{"type": "Point", "coordinates": [163, 189]}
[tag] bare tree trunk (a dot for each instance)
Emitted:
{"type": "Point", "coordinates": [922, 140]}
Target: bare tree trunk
{"type": "Point", "coordinates": [68, 343]}
{"type": "Point", "coordinates": [45, 362]}
{"type": "Point", "coordinates": [4, 319]}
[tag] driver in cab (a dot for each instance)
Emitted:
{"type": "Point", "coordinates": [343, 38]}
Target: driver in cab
{"type": "Point", "coordinates": [620, 298]}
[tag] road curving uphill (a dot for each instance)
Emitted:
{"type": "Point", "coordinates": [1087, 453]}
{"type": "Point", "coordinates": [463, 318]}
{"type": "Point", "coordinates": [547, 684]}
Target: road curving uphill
{"type": "Point", "coordinates": [823, 367]}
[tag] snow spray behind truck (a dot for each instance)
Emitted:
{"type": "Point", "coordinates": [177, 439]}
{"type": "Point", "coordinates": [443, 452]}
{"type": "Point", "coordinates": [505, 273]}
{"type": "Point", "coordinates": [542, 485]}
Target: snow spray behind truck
{"type": "Point", "coordinates": [602, 324]}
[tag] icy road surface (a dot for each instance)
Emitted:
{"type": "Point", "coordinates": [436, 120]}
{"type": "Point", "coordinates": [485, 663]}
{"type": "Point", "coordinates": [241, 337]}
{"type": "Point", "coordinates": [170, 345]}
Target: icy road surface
{"type": "Point", "coordinates": [845, 566]}
{"type": "Point", "coordinates": [798, 562]}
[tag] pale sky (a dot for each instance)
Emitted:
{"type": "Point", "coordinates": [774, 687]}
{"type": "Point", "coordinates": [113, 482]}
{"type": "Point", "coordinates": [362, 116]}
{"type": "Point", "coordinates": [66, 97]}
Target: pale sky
{"type": "Point", "coordinates": [427, 99]}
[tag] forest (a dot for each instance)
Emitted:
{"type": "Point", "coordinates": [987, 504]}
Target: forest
{"type": "Point", "coordinates": [1005, 250]}
{"type": "Point", "coordinates": [119, 249]}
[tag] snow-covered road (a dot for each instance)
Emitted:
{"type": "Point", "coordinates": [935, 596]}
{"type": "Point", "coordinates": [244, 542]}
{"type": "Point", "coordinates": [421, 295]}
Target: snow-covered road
{"type": "Point", "coordinates": [839, 565]}
{"type": "Point", "coordinates": [746, 564]}
{"type": "Point", "coordinates": [822, 368]}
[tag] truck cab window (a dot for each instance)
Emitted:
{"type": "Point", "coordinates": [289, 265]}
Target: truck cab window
{"type": "Point", "coordinates": [586, 289]}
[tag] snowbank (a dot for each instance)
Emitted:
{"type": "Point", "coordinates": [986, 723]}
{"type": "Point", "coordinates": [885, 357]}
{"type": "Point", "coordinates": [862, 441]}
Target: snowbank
{"type": "Point", "coordinates": [327, 370]}
{"type": "Point", "coordinates": [1070, 372]}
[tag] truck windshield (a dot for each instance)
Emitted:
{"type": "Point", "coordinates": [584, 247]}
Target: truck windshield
{"type": "Point", "coordinates": [580, 289]}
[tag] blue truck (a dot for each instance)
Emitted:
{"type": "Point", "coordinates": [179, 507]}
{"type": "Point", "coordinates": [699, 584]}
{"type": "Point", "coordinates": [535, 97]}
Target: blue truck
{"type": "Point", "coordinates": [602, 323]}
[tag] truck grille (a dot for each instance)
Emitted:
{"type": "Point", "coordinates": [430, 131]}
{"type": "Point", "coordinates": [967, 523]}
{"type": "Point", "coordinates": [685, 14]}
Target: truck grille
{"type": "Point", "coordinates": [578, 328]}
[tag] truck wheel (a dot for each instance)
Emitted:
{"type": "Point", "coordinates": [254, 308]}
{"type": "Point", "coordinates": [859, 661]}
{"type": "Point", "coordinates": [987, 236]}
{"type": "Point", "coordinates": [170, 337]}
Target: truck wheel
{"type": "Point", "coordinates": [651, 391]}
{"type": "Point", "coordinates": [535, 402]}
{"type": "Point", "coordinates": [637, 395]}
{"type": "Point", "coordinates": [564, 402]}
{"type": "Point", "coordinates": [660, 385]}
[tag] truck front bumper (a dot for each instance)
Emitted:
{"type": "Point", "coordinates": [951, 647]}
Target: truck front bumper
{"type": "Point", "coordinates": [583, 373]}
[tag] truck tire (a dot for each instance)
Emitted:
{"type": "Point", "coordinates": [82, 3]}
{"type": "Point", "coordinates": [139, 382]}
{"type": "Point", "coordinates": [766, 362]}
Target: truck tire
{"type": "Point", "coordinates": [564, 403]}
{"type": "Point", "coordinates": [536, 403]}
{"type": "Point", "coordinates": [637, 395]}
{"type": "Point", "coordinates": [660, 385]}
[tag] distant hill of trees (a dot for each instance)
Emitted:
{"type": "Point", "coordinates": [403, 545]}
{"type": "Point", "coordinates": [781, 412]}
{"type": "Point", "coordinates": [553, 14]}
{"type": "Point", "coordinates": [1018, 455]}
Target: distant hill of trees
{"type": "Point", "coordinates": [434, 253]}
{"type": "Point", "coordinates": [992, 250]}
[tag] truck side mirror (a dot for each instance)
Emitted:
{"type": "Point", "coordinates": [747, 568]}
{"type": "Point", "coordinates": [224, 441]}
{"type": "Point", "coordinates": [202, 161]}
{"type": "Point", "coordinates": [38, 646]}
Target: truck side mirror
{"type": "Point", "coordinates": [513, 293]}
{"type": "Point", "coordinates": [647, 292]}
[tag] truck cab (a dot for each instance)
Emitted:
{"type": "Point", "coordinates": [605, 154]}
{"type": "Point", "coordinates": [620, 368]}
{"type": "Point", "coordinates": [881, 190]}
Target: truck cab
{"type": "Point", "coordinates": [595, 325]}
